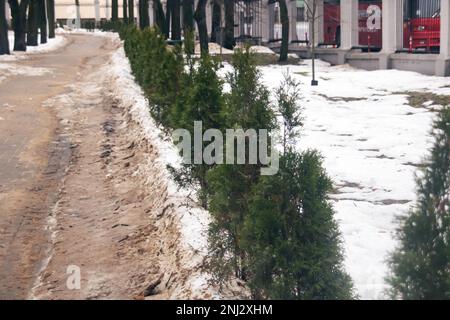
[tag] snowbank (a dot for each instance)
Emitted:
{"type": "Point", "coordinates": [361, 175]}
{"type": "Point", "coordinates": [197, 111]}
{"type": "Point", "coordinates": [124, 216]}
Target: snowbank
{"type": "Point", "coordinates": [213, 48]}
{"type": "Point", "coordinates": [261, 49]}
{"type": "Point", "coordinates": [193, 220]}
{"type": "Point", "coordinates": [52, 44]}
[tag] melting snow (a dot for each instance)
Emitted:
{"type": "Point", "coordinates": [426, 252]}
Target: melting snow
{"type": "Point", "coordinates": [372, 141]}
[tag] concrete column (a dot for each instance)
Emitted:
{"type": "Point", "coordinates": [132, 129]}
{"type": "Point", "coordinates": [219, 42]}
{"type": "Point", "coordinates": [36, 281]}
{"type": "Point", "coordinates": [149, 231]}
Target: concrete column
{"type": "Point", "coordinates": [136, 10]}
{"type": "Point", "coordinates": [8, 13]}
{"type": "Point", "coordinates": [442, 63]}
{"type": "Point", "coordinates": [271, 21]}
{"type": "Point", "coordinates": [349, 24]}
{"type": "Point", "coordinates": [97, 12]}
{"type": "Point", "coordinates": [445, 29]}
{"type": "Point", "coordinates": [292, 13]}
{"type": "Point", "coordinates": [319, 22]}
{"type": "Point", "coordinates": [151, 14]}
{"type": "Point", "coordinates": [107, 10]}
{"type": "Point", "coordinates": [265, 21]}
{"type": "Point", "coordinates": [392, 25]}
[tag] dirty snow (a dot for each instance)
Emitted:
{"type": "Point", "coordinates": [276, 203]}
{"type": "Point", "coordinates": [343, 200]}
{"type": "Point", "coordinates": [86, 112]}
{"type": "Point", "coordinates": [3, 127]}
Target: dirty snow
{"type": "Point", "coordinates": [372, 141]}
{"type": "Point", "coordinates": [193, 220]}
{"type": "Point", "coordinates": [213, 49]}
{"type": "Point", "coordinates": [10, 65]}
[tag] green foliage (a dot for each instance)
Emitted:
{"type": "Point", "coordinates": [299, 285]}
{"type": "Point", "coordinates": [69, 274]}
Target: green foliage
{"type": "Point", "coordinates": [421, 265]}
{"type": "Point", "coordinates": [248, 103]}
{"type": "Point", "coordinates": [275, 232]}
{"type": "Point", "coordinates": [288, 96]}
{"type": "Point", "coordinates": [157, 68]}
{"type": "Point", "coordinates": [200, 100]}
{"type": "Point", "coordinates": [291, 234]}
{"type": "Point", "coordinates": [247, 107]}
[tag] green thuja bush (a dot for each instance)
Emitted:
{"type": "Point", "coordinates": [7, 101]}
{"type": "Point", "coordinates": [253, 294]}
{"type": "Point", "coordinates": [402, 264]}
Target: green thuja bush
{"type": "Point", "coordinates": [247, 107]}
{"type": "Point", "coordinates": [275, 232]}
{"type": "Point", "coordinates": [293, 243]}
{"type": "Point", "coordinates": [421, 264]}
{"type": "Point", "coordinates": [200, 100]}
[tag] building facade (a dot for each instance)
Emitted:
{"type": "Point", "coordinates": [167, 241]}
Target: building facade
{"type": "Point", "coordinates": [370, 34]}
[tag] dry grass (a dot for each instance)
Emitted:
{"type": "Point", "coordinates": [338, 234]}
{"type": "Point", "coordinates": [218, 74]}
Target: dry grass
{"type": "Point", "coordinates": [417, 99]}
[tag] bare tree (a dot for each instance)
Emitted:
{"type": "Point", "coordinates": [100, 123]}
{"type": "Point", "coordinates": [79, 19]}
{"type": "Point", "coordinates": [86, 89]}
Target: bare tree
{"type": "Point", "coordinates": [160, 18]}
{"type": "Point", "coordinates": [188, 16]}
{"type": "Point", "coordinates": [131, 11]}
{"type": "Point", "coordinates": [32, 23]}
{"type": "Point", "coordinates": [51, 18]}
{"type": "Point", "coordinates": [42, 20]}
{"type": "Point", "coordinates": [228, 41]}
{"type": "Point", "coordinates": [176, 23]}
{"type": "Point", "coordinates": [125, 11]}
{"type": "Point", "coordinates": [313, 14]}
{"type": "Point", "coordinates": [4, 43]}
{"type": "Point", "coordinates": [19, 20]}
{"type": "Point", "coordinates": [115, 10]}
{"type": "Point", "coordinates": [216, 19]}
{"type": "Point", "coordinates": [284, 17]}
{"type": "Point", "coordinates": [200, 18]}
{"type": "Point", "coordinates": [144, 19]}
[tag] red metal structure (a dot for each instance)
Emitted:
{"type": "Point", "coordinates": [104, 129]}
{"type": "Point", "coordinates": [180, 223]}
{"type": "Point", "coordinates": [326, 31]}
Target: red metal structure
{"type": "Point", "coordinates": [332, 22]}
{"type": "Point", "coordinates": [369, 23]}
{"type": "Point", "coordinates": [421, 24]}
{"type": "Point", "coordinates": [421, 27]}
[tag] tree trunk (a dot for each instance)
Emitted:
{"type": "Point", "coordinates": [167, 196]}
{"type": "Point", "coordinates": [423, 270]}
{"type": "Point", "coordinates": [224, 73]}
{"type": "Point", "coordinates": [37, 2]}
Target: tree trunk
{"type": "Point", "coordinates": [168, 16]}
{"type": "Point", "coordinates": [228, 41]}
{"type": "Point", "coordinates": [32, 23]}
{"type": "Point", "coordinates": [188, 16]}
{"type": "Point", "coordinates": [284, 30]}
{"type": "Point", "coordinates": [131, 11]}
{"type": "Point", "coordinates": [114, 10]}
{"type": "Point", "coordinates": [4, 43]}
{"type": "Point", "coordinates": [125, 11]}
{"type": "Point", "coordinates": [144, 19]}
{"type": "Point", "coordinates": [176, 25]}
{"type": "Point", "coordinates": [200, 18]}
{"type": "Point", "coordinates": [19, 21]}
{"type": "Point", "coordinates": [188, 26]}
{"type": "Point", "coordinates": [215, 20]}
{"type": "Point", "coordinates": [161, 21]}
{"type": "Point", "coordinates": [42, 20]}
{"type": "Point", "coordinates": [51, 18]}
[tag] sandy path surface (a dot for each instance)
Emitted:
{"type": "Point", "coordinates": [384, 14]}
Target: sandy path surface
{"type": "Point", "coordinates": [68, 198]}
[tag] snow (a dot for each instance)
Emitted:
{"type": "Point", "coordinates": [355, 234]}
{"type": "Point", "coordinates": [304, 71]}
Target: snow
{"type": "Point", "coordinates": [213, 49]}
{"type": "Point", "coordinates": [52, 44]}
{"type": "Point", "coordinates": [370, 138]}
{"type": "Point", "coordinates": [9, 69]}
{"type": "Point", "coordinates": [193, 220]}
{"type": "Point", "coordinates": [371, 141]}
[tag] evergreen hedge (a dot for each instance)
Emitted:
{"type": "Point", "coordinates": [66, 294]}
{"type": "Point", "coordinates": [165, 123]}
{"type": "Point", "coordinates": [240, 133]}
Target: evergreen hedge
{"type": "Point", "coordinates": [278, 232]}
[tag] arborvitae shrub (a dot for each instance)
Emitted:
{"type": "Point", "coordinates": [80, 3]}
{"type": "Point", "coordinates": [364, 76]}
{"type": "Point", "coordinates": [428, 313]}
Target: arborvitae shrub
{"type": "Point", "coordinates": [421, 264]}
{"type": "Point", "coordinates": [291, 236]}
{"type": "Point", "coordinates": [247, 107]}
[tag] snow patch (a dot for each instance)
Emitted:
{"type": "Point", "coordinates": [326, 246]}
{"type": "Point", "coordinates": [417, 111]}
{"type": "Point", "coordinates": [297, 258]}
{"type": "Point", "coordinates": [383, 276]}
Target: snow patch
{"type": "Point", "coordinates": [193, 220]}
{"type": "Point", "coordinates": [372, 142]}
